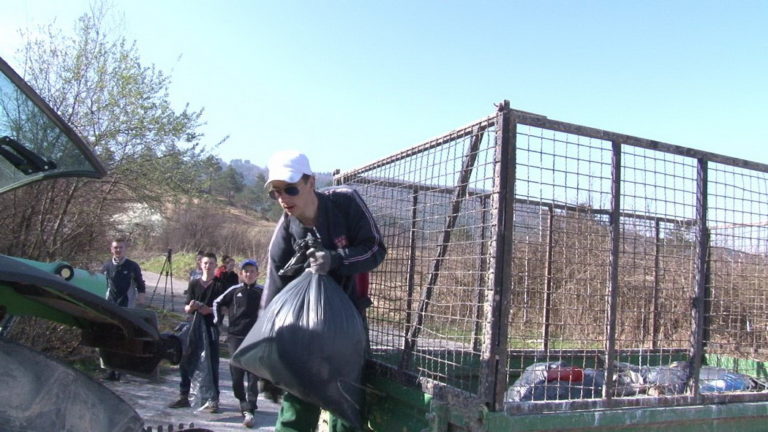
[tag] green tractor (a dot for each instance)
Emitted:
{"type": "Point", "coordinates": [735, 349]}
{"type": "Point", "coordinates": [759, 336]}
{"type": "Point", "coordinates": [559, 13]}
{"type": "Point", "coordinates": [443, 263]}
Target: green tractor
{"type": "Point", "coordinates": [40, 393]}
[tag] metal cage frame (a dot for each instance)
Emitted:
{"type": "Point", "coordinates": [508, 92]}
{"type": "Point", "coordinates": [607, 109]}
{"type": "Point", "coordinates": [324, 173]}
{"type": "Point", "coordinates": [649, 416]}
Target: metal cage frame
{"type": "Point", "coordinates": [492, 227]}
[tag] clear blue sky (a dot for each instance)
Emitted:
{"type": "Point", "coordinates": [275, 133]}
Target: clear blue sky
{"type": "Point", "coordinates": [349, 82]}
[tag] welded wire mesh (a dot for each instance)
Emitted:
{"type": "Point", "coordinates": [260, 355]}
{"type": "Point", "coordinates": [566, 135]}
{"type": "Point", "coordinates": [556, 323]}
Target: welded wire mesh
{"type": "Point", "coordinates": [621, 256]}
{"type": "Point", "coordinates": [737, 314]}
{"type": "Point", "coordinates": [562, 178]}
{"type": "Point", "coordinates": [431, 206]}
{"type": "Point", "coordinates": [656, 275]}
{"type": "Point", "coordinates": [568, 274]}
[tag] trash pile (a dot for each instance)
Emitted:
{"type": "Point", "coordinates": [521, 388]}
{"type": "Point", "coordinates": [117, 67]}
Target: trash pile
{"type": "Point", "coordinates": [560, 381]}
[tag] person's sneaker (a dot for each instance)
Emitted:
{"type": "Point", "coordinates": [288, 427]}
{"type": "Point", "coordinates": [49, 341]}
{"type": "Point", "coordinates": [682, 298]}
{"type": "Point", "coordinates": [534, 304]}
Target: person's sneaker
{"type": "Point", "coordinates": [248, 419]}
{"type": "Point", "coordinates": [211, 406]}
{"type": "Point", "coordinates": [183, 402]}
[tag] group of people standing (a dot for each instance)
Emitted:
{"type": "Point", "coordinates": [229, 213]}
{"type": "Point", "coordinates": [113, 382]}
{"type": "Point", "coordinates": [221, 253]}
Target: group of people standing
{"type": "Point", "coordinates": [210, 291]}
{"type": "Point", "coordinates": [351, 245]}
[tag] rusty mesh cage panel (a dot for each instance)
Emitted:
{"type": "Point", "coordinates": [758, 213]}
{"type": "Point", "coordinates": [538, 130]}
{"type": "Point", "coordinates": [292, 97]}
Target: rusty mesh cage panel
{"type": "Point", "coordinates": [737, 301]}
{"type": "Point", "coordinates": [655, 273]}
{"type": "Point", "coordinates": [561, 248]}
{"type": "Point", "coordinates": [562, 253]}
{"type": "Point", "coordinates": [431, 205]}
{"type": "Point", "coordinates": [611, 255]}
{"type": "Point", "coordinates": [619, 313]}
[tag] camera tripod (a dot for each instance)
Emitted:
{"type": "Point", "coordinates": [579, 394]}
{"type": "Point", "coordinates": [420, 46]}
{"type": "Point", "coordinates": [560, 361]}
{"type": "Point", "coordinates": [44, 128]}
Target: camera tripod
{"type": "Point", "coordinates": [167, 271]}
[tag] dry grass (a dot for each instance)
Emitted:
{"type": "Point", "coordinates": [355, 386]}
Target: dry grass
{"type": "Point", "coordinates": [653, 302]}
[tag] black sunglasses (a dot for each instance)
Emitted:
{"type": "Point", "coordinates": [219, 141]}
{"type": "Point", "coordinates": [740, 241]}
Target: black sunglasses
{"type": "Point", "coordinates": [292, 190]}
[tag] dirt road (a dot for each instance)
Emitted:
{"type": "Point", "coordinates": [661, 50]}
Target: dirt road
{"type": "Point", "coordinates": [165, 292]}
{"type": "Point", "coordinates": [150, 397]}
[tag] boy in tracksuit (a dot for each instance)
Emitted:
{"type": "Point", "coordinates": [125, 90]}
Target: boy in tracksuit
{"type": "Point", "coordinates": [242, 303]}
{"type": "Point", "coordinates": [351, 245]}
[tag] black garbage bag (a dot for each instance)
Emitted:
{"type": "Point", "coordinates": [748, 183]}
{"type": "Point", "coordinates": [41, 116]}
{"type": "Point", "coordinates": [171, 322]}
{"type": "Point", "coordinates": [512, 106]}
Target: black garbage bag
{"type": "Point", "coordinates": [310, 341]}
{"type": "Point", "coordinates": [196, 359]}
{"type": "Point", "coordinates": [534, 375]}
{"type": "Point", "coordinates": [181, 331]}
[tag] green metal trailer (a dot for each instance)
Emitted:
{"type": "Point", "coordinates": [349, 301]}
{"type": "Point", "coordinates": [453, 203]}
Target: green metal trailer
{"type": "Point", "coordinates": [520, 245]}
{"type": "Point", "coordinates": [397, 406]}
{"type": "Point", "coordinates": [94, 283]}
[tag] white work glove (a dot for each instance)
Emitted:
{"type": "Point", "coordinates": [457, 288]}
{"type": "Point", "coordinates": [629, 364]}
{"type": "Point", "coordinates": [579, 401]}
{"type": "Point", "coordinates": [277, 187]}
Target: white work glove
{"type": "Point", "coordinates": [319, 261]}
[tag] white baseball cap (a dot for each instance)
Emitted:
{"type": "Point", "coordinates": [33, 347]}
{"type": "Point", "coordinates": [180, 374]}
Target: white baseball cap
{"type": "Point", "coordinates": [288, 166]}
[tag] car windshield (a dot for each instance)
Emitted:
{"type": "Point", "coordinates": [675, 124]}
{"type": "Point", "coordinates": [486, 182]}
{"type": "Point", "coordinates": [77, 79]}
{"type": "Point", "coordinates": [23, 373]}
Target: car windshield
{"type": "Point", "coordinates": [35, 143]}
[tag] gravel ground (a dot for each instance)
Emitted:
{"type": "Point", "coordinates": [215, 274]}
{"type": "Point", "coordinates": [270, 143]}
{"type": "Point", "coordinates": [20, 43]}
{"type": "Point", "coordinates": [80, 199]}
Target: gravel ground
{"type": "Point", "coordinates": [165, 292]}
{"type": "Point", "coordinates": [150, 397]}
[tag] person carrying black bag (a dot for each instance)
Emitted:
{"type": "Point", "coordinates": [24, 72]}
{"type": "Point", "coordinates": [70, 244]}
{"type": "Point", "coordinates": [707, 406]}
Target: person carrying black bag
{"type": "Point", "coordinates": [351, 244]}
{"type": "Point", "coordinates": [200, 296]}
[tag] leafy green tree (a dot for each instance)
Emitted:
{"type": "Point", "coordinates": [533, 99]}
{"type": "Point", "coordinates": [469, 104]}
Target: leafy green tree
{"type": "Point", "coordinates": [209, 168]}
{"type": "Point", "coordinates": [95, 79]}
{"type": "Point", "coordinates": [255, 198]}
{"type": "Point", "coordinates": [228, 183]}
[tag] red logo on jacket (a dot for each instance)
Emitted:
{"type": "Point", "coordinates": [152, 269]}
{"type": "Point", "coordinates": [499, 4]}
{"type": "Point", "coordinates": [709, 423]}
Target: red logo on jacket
{"type": "Point", "coordinates": [341, 242]}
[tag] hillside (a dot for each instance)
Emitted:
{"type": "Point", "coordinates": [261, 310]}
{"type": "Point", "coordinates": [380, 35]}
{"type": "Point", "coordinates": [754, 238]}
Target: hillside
{"type": "Point", "coordinates": [251, 172]}
{"type": "Point", "coordinates": [187, 226]}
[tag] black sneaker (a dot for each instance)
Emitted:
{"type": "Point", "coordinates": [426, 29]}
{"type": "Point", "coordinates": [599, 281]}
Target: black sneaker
{"type": "Point", "coordinates": [183, 402]}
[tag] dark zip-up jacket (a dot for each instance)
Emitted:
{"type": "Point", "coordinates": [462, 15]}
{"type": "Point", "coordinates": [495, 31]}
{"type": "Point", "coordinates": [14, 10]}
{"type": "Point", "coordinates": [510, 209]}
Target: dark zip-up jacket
{"type": "Point", "coordinates": [242, 302]}
{"type": "Point", "coordinates": [347, 230]}
{"type": "Point", "coordinates": [229, 278]}
{"type": "Point", "coordinates": [197, 291]}
{"type": "Point", "coordinates": [124, 281]}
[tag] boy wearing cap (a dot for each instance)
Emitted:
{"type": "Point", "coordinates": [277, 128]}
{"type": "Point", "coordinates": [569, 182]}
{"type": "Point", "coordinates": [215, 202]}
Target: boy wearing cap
{"type": "Point", "coordinates": [242, 303]}
{"type": "Point", "coordinates": [351, 245]}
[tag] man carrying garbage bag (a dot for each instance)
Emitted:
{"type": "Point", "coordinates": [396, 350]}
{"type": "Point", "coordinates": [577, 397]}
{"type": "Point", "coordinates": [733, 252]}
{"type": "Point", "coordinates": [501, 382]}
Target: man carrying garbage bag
{"type": "Point", "coordinates": [344, 242]}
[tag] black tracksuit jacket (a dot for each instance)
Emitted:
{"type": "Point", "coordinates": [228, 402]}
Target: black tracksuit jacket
{"type": "Point", "coordinates": [122, 279]}
{"type": "Point", "coordinates": [347, 230]}
{"type": "Point", "coordinates": [206, 295]}
{"type": "Point", "coordinates": [242, 302]}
